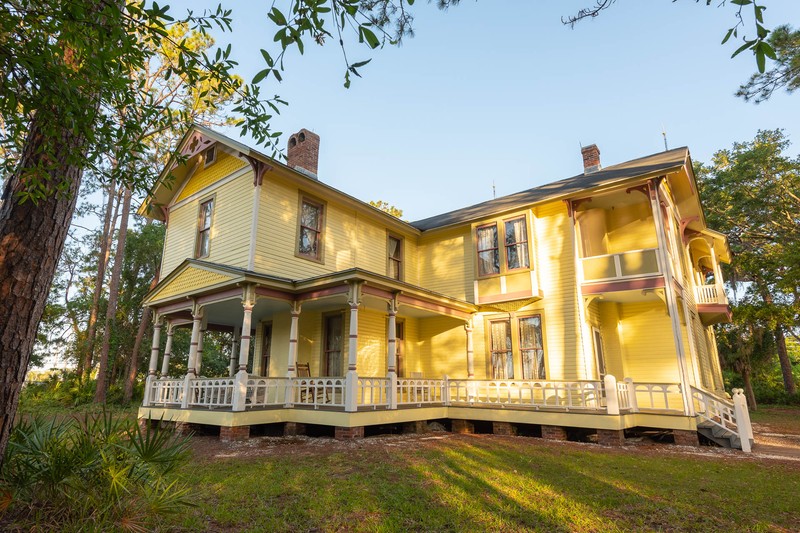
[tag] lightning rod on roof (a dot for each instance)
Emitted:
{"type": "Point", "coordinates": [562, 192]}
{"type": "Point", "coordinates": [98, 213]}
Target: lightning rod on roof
{"type": "Point", "coordinates": [664, 134]}
{"type": "Point", "coordinates": [494, 190]}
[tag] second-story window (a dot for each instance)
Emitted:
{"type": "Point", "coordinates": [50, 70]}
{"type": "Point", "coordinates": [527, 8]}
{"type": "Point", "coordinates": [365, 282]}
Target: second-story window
{"type": "Point", "coordinates": [488, 253]}
{"type": "Point", "coordinates": [309, 243]}
{"type": "Point", "coordinates": [395, 253]}
{"type": "Point", "coordinates": [204, 228]}
{"type": "Point", "coordinates": [516, 243]}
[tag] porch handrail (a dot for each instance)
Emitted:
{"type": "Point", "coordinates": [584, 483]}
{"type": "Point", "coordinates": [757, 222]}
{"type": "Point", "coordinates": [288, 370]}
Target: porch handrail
{"type": "Point", "coordinates": [266, 391]}
{"type": "Point", "coordinates": [373, 392]}
{"type": "Point", "coordinates": [730, 416]}
{"type": "Point", "coordinates": [635, 397]}
{"type": "Point", "coordinates": [548, 394]}
{"type": "Point", "coordinates": [618, 266]}
{"type": "Point", "coordinates": [211, 392]}
{"type": "Point", "coordinates": [166, 392]}
{"type": "Point", "coordinates": [420, 391]}
{"type": "Point", "coordinates": [317, 391]}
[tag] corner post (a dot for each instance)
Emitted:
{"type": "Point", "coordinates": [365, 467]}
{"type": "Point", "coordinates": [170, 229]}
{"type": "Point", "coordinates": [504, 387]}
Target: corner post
{"type": "Point", "coordinates": [392, 363]}
{"type": "Point", "coordinates": [154, 350]}
{"type": "Point", "coordinates": [743, 425]}
{"type": "Point", "coordinates": [199, 359]}
{"type": "Point", "coordinates": [612, 400]}
{"type": "Point", "coordinates": [240, 380]}
{"type": "Point", "coordinates": [291, 369]}
{"type": "Point", "coordinates": [351, 379]}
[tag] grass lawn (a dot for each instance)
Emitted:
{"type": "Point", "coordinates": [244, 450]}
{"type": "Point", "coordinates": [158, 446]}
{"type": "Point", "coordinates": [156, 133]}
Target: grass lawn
{"type": "Point", "coordinates": [447, 482]}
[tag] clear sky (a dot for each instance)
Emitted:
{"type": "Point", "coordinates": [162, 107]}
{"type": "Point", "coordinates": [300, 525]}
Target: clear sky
{"type": "Point", "coordinates": [501, 92]}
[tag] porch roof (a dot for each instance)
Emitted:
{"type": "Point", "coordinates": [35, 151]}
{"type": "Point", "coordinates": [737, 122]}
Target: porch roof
{"type": "Point", "coordinates": [195, 279]}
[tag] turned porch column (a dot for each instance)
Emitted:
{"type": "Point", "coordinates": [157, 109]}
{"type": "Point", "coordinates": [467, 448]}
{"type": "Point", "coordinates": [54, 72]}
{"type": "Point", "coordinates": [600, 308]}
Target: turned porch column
{"type": "Point", "coordinates": [167, 350]}
{"type": "Point", "coordinates": [151, 371]}
{"type": "Point", "coordinates": [199, 358]}
{"type": "Point", "coordinates": [240, 383]}
{"type": "Point", "coordinates": [392, 362]}
{"type": "Point", "coordinates": [351, 379]}
{"type": "Point", "coordinates": [234, 351]}
{"type": "Point", "coordinates": [191, 373]}
{"type": "Point", "coordinates": [470, 350]}
{"type": "Point", "coordinates": [291, 369]}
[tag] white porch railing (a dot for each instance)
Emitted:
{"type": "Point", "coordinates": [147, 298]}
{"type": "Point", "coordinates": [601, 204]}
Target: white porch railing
{"type": "Point", "coordinates": [728, 416]}
{"type": "Point", "coordinates": [710, 294]}
{"type": "Point", "coordinates": [635, 397]}
{"type": "Point", "coordinates": [166, 392]}
{"type": "Point", "coordinates": [373, 392]}
{"type": "Point", "coordinates": [376, 392]}
{"type": "Point", "coordinates": [266, 392]}
{"type": "Point", "coordinates": [562, 395]}
{"type": "Point", "coordinates": [420, 391]}
{"type": "Point", "coordinates": [631, 264]}
{"type": "Point", "coordinates": [211, 392]}
{"type": "Point", "coordinates": [317, 391]}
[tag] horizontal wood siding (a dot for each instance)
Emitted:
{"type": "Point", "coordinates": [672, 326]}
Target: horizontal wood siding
{"type": "Point", "coordinates": [609, 329]}
{"type": "Point", "coordinates": [224, 166]}
{"type": "Point", "coordinates": [350, 239]}
{"type": "Point", "coordinates": [556, 264]}
{"type": "Point", "coordinates": [443, 347]}
{"type": "Point", "coordinates": [649, 348]}
{"type": "Point", "coordinates": [446, 263]}
{"type": "Point", "coordinates": [372, 346]}
{"type": "Point", "coordinates": [230, 227]}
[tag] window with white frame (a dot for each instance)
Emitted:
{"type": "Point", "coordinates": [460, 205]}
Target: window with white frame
{"type": "Point", "coordinates": [205, 217]}
{"type": "Point", "coordinates": [488, 252]}
{"type": "Point", "coordinates": [502, 354]}
{"type": "Point", "coordinates": [395, 257]}
{"type": "Point", "coordinates": [516, 243]}
{"type": "Point", "coordinates": [531, 347]}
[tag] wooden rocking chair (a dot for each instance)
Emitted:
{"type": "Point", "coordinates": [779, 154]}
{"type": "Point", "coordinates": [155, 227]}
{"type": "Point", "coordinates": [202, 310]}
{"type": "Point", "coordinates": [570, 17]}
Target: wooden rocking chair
{"type": "Point", "coordinates": [310, 393]}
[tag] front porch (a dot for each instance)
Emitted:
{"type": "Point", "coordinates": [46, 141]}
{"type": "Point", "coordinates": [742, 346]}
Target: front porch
{"type": "Point", "coordinates": [606, 405]}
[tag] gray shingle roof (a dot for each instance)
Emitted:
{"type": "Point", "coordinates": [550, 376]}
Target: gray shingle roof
{"type": "Point", "coordinates": [651, 164]}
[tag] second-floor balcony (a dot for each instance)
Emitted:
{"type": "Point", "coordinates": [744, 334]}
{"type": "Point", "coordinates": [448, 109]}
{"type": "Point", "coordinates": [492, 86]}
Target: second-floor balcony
{"type": "Point", "coordinates": [621, 266]}
{"type": "Point", "coordinates": [710, 294]}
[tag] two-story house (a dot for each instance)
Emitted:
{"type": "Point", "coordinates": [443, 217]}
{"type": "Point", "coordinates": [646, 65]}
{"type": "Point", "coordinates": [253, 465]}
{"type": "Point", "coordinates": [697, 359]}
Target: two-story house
{"type": "Point", "coordinates": [581, 305]}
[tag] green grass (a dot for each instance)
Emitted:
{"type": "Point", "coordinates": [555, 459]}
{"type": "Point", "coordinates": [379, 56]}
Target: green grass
{"type": "Point", "coordinates": [479, 483]}
{"type": "Point", "coordinates": [778, 418]}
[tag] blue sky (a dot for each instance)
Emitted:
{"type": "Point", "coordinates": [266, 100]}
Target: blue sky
{"type": "Point", "coordinates": [500, 92]}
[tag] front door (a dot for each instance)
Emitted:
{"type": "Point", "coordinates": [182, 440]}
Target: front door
{"type": "Point", "coordinates": [333, 333]}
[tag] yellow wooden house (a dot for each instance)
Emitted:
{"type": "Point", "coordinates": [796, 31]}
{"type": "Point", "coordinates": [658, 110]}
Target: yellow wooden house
{"type": "Point", "coordinates": [584, 305]}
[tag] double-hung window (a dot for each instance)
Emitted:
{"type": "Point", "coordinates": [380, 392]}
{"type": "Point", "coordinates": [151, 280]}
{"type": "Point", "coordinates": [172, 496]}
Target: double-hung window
{"type": "Point", "coordinates": [395, 253]}
{"type": "Point", "coordinates": [502, 354]}
{"type": "Point", "coordinates": [502, 253]}
{"type": "Point", "coordinates": [516, 244]}
{"type": "Point", "coordinates": [204, 228]}
{"type": "Point", "coordinates": [488, 252]}
{"type": "Point", "coordinates": [309, 242]}
{"type": "Point", "coordinates": [531, 347]}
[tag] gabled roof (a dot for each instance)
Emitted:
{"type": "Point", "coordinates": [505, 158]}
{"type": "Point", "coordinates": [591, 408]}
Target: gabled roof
{"type": "Point", "coordinates": [651, 165]}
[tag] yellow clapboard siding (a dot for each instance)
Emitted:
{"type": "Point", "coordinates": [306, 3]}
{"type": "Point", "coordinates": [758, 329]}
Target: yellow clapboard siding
{"type": "Point", "coordinates": [649, 348]}
{"type": "Point", "coordinates": [224, 166]}
{"type": "Point", "coordinates": [446, 263]}
{"type": "Point", "coordinates": [350, 239]}
{"type": "Point", "coordinates": [372, 345]}
{"type": "Point", "coordinates": [555, 261]}
{"type": "Point", "coordinates": [443, 347]}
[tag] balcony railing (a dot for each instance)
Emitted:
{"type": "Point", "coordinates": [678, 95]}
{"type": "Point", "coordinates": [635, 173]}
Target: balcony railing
{"type": "Point", "coordinates": [631, 264]}
{"type": "Point", "coordinates": [710, 294]}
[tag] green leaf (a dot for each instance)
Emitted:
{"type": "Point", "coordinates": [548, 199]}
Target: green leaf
{"type": "Point", "coordinates": [727, 36]}
{"type": "Point", "coordinates": [261, 75]}
{"type": "Point", "coordinates": [277, 17]}
{"type": "Point", "coordinates": [370, 37]}
{"type": "Point", "coordinates": [267, 58]}
{"type": "Point", "coordinates": [747, 45]}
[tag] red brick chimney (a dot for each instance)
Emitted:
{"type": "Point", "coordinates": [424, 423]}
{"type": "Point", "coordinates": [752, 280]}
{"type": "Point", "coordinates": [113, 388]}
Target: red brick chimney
{"type": "Point", "coordinates": [591, 158]}
{"type": "Point", "coordinates": [303, 151]}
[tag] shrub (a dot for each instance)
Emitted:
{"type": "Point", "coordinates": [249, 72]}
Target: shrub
{"type": "Point", "coordinates": [99, 473]}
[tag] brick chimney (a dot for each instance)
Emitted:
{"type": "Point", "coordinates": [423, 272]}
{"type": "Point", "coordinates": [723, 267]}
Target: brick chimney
{"type": "Point", "coordinates": [591, 158]}
{"type": "Point", "coordinates": [303, 151]}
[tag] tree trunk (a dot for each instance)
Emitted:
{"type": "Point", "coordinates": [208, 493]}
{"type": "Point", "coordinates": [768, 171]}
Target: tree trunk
{"type": "Point", "coordinates": [786, 363]}
{"type": "Point", "coordinates": [105, 247]}
{"type": "Point", "coordinates": [748, 388]}
{"type": "Point", "coordinates": [31, 241]}
{"type": "Point", "coordinates": [133, 364]}
{"type": "Point", "coordinates": [113, 296]}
